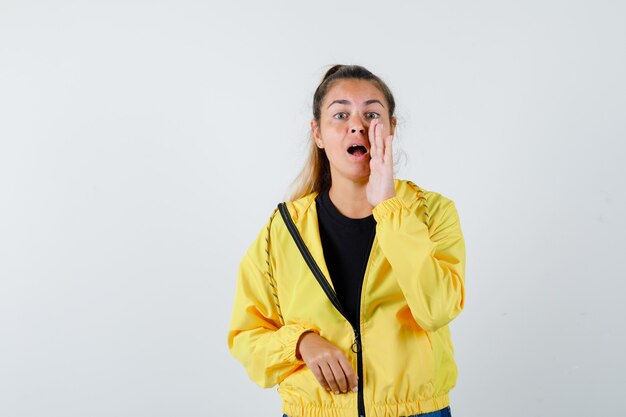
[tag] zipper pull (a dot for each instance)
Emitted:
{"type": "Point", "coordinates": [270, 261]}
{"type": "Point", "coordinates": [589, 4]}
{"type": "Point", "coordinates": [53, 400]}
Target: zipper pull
{"type": "Point", "coordinates": [356, 345]}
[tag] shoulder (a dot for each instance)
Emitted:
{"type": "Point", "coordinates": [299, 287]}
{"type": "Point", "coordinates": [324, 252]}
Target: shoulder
{"type": "Point", "coordinates": [417, 197]}
{"type": "Point", "coordinates": [296, 209]}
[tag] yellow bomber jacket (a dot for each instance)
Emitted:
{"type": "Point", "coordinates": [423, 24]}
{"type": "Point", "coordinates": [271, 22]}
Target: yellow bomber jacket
{"type": "Point", "coordinates": [414, 285]}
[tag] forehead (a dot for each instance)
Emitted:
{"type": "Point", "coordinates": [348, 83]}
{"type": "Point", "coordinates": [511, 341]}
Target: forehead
{"type": "Point", "coordinates": [357, 91]}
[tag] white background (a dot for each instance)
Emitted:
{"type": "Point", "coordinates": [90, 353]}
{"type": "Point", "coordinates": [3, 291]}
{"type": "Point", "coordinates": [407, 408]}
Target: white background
{"type": "Point", "coordinates": [144, 144]}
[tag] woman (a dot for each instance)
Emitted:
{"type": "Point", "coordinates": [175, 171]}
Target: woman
{"type": "Point", "coordinates": [345, 296]}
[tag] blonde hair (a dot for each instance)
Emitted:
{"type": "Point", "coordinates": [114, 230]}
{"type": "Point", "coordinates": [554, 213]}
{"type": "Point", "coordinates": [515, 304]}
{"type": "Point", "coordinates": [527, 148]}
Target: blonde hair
{"type": "Point", "coordinates": [315, 175]}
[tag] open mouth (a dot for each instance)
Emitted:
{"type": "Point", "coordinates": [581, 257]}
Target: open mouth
{"type": "Point", "coordinates": [357, 150]}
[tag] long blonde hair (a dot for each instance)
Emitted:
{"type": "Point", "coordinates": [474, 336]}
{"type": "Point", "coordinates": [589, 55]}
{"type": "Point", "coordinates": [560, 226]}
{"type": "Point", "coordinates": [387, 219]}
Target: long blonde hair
{"type": "Point", "coordinates": [315, 175]}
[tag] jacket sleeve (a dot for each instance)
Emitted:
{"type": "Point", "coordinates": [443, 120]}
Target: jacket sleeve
{"type": "Point", "coordinates": [427, 260]}
{"type": "Point", "coordinates": [256, 336]}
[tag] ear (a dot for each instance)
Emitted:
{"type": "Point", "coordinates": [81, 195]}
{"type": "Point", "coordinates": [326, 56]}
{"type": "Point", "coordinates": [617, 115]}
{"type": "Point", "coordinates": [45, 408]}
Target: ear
{"type": "Point", "coordinates": [316, 132]}
{"type": "Point", "coordinates": [394, 121]}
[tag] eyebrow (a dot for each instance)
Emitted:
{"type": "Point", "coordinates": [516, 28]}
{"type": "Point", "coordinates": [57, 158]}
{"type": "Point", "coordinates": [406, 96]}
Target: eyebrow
{"type": "Point", "coordinates": [367, 102]}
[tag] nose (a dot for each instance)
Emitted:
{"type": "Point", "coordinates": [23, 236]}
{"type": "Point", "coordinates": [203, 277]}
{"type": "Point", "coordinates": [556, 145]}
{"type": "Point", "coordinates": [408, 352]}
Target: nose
{"type": "Point", "coordinates": [357, 126]}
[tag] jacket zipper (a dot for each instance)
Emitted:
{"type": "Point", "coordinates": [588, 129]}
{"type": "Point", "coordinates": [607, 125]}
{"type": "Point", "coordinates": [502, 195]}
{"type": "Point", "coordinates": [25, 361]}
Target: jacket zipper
{"type": "Point", "coordinates": [361, 400]}
{"type": "Point", "coordinates": [284, 212]}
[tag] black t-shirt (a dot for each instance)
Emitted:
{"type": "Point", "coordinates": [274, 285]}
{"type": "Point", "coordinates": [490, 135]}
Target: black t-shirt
{"type": "Point", "coordinates": [347, 244]}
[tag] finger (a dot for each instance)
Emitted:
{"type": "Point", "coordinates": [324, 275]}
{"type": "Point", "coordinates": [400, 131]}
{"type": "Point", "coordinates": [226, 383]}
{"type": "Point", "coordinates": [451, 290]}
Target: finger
{"type": "Point", "coordinates": [374, 143]}
{"type": "Point", "coordinates": [372, 138]}
{"type": "Point", "coordinates": [380, 146]}
{"type": "Point", "coordinates": [317, 372]}
{"type": "Point", "coordinates": [330, 378]}
{"type": "Point", "coordinates": [340, 377]}
{"type": "Point", "coordinates": [388, 158]}
{"type": "Point", "coordinates": [353, 380]}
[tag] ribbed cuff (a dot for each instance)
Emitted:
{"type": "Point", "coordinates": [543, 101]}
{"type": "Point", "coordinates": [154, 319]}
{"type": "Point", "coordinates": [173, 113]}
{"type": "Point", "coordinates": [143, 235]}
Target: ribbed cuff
{"type": "Point", "coordinates": [292, 342]}
{"type": "Point", "coordinates": [386, 207]}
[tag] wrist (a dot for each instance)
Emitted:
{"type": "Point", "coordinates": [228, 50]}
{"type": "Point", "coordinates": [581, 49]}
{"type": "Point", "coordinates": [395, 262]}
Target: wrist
{"type": "Point", "coordinates": [298, 356]}
{"type": "Point", "coordinates": [385, 198]}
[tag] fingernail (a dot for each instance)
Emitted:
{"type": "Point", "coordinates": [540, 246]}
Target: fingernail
{"type": "Point", "coordinates": [336, 392]}
{"type": "Point", "coordinates": [355, 389]}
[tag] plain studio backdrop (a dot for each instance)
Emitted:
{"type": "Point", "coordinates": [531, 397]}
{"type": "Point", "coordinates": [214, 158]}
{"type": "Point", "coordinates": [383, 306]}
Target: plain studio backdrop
{"type": "Point", "coordinates": [144, 145]}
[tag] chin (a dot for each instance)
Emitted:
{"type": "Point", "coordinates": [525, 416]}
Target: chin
{"type": "Point", "coordinates": [352, 173]}
{"type": "Point", "coordinates": [359, 177]}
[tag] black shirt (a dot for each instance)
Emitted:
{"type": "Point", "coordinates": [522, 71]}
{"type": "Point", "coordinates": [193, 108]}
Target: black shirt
{"type": "Point", "coordinates": [347, 244]}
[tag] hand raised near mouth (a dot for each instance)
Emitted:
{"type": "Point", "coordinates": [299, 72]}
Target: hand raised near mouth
{"type": "Point", "coordinates": [380, 186]}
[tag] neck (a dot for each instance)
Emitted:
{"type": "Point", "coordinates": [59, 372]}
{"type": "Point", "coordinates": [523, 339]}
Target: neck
{"type": "Point", "coordinates": [350, 198]}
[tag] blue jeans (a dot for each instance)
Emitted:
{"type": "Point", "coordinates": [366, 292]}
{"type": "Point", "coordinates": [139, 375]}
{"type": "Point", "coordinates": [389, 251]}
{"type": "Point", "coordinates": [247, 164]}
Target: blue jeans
{"type": "Point", "coordinates": [444, 412]}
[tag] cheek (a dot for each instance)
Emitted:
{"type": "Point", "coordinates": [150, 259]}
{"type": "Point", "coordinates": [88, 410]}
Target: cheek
{"type": "Point", "coordinates": [333, 130]}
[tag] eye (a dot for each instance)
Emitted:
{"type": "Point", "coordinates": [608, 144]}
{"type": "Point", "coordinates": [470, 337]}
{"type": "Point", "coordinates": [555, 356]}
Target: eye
{"type": "Point", "coordinates": [372, 115]}
{"type": "Point", "coordinates": [338, 116]}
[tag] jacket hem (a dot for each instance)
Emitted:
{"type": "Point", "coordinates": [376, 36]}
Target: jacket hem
{"type": "Point", "coordinates": [380, 409]}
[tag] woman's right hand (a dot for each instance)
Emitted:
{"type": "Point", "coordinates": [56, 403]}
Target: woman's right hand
{"type": "Point", "coordinates": [329, 365]}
